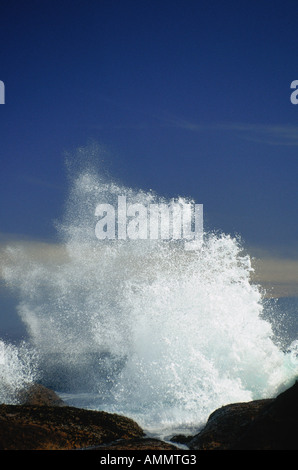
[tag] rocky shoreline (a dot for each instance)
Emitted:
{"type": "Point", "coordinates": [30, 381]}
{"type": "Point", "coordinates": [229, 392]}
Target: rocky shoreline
{"type": "Point", "coordinates": [42, 421]}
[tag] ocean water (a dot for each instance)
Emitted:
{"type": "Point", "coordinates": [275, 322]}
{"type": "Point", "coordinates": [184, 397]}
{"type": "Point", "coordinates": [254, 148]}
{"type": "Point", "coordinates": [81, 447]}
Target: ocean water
{"type": "Point", "coordinates": [144, 328]}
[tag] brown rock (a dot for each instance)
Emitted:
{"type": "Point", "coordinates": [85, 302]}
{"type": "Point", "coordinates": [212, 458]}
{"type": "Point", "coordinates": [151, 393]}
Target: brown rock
{"type": "Point", "coordinates": [224, 425]}
{"type": "Point", "coordinates": [28, 427]}
{"type": "Point", "coordinates": [38, 395]}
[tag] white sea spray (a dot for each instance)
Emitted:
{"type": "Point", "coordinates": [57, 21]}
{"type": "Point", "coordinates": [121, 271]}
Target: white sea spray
{"type": "Point", "coordinates": [143, 327]}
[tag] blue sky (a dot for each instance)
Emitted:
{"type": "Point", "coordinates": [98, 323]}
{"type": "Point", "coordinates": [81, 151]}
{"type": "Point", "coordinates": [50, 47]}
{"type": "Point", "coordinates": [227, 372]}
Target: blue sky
{"type": "Point", "coordinates": [188, 98]}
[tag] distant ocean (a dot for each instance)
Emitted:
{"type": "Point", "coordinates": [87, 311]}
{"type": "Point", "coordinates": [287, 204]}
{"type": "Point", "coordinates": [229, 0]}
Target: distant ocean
{"type": "Point", "coordinates": [144, 328]}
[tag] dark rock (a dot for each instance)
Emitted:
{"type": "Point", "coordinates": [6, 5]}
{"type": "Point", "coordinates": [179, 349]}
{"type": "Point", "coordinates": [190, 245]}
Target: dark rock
{"type": "Point", "coordinates": [28, 427]}
{"type": "Point", "coordinates": [276, 427]}
{"type": "Point", "coordinates": [269, 424]}
{"type": "Point", "coordinates": [224, 425]}
{"type": "Point", "coordinates": [38, 395]}
{"type": "Point", "coordinates": [181, 439]}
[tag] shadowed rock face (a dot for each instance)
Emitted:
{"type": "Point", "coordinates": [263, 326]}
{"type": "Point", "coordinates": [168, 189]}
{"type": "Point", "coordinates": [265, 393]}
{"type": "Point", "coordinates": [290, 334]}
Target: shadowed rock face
{"type": "Point", "coordinates": [276, 427]}
{"type": "Point", "coordinates": [225, 424]}
{"type": "Point", "coordinates": [257, 425]}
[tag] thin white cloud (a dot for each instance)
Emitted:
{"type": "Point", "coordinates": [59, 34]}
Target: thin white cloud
{"type": "Point", "coordinates": [267, 134]}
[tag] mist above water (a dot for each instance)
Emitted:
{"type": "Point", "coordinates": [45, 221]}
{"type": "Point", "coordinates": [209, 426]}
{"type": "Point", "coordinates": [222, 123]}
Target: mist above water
{"type": "Point", "coordinates": [142, 327]}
